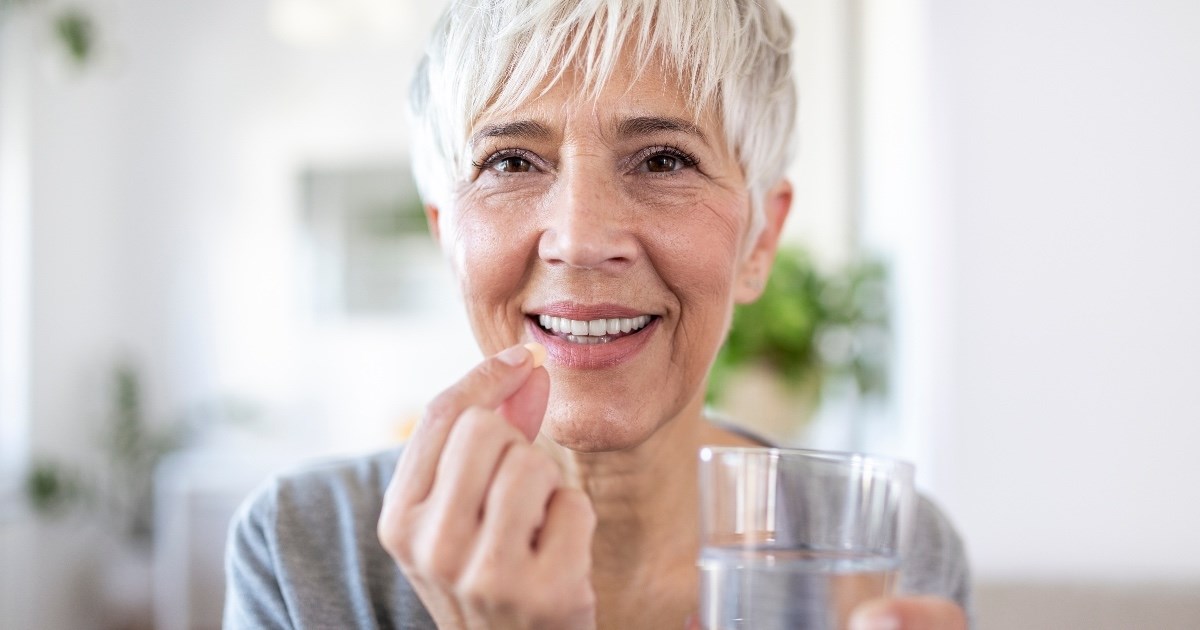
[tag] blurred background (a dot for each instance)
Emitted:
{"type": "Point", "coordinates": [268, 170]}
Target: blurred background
{"type": "Point", "coordinates": [213, 266]}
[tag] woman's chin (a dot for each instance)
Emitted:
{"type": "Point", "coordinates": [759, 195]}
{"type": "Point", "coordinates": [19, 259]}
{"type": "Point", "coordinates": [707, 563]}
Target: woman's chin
{"type": "Point", "coordinates": [595, 434]}
{"type": "Point", "coordinates": [594, 418]}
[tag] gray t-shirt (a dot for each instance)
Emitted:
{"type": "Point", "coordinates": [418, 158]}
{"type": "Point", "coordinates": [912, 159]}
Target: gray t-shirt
{"type": "Point", "coordinates": [303, 553]}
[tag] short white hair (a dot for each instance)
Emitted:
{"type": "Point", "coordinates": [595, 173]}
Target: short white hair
{"type": "Point", "coordinates": [491, 55]}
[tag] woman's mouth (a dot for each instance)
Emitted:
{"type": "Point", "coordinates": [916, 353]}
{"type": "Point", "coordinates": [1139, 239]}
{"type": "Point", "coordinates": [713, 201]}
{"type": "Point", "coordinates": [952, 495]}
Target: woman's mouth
{"type": "Point", "coordinates": [591, 336]}
{"type": "Point", "coordinates": [592, 331]}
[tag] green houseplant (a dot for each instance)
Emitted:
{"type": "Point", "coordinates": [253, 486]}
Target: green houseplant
{"type": "Point", "coordinates": [811, 327]}
{"type": "Point", "coordinates": [73, 28]}
{"type": "Point", "coordinates": [122, 490]}
{"type": "Point", "coordinates": [117, 491]}
{"type": "Point", "coordinates": [113, 496]}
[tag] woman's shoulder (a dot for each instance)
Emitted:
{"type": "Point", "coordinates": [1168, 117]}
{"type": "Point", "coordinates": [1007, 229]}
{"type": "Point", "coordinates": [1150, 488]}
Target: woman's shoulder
{"type": "Point", "coordinates": [355, 479]}
{"type": "Point", "coordinates": [328, 482]}
{"type": "Point", "coordinates": [937, 563]}
{"type": "Point", "coordinates": [322, 499]}
{"type": "Point", "coordinates": [303, 549]}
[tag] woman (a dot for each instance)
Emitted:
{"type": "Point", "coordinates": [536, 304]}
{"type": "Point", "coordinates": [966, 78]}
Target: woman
{"type": "Point", "coordinates": [605, 179]}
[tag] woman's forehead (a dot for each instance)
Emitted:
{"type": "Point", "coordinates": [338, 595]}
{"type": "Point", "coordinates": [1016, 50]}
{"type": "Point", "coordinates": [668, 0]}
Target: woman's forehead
{"type": "Point", "coordinates": [629, 103]}
{"type": "Point", "coordinates": [615, 128]}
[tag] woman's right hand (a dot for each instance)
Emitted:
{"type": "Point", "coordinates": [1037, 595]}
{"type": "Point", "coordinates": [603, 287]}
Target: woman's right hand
{"type": "Point", "coordinates": [477, 518]}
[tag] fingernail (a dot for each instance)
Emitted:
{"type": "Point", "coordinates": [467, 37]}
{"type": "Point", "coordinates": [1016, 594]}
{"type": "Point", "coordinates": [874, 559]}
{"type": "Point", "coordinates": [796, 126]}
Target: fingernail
{"type": "Point", "coordinates": [874, 621]}
{"type": "Point", "coordinates": [514, 356]}
{"type": "Point", "coordinates": [538, 351]}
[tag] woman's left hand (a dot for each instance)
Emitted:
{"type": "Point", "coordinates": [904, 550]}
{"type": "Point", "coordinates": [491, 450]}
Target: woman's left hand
{"type": "Point", "coordinates": [909, 613]}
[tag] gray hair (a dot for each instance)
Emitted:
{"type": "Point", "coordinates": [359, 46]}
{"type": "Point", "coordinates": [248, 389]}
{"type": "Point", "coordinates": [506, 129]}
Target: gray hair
{"type": "Point", "coordinates": [491, 55]}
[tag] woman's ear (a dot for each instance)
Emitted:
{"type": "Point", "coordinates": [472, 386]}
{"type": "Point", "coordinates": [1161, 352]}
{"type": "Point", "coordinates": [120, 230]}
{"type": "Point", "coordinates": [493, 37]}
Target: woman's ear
{"type": "Point", "coordinates": [433, 216]}
{"type": "Point", "coordinates": [756, 268]}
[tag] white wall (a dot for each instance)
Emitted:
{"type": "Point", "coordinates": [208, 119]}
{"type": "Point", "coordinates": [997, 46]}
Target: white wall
{"type": "Point", "coordinates": [166, 218]}
{"type": "Point", "coordinates": [821, 173]}
{"type": "Point", "coordinates": [15, 536]}
{"type": "Point", "coordinates": [14, 251]}
{"type": "Point", "coordinates": [1047, 250]}
{"type": "Point", "coordinates": [1064, 270]}
{"type": "Point", "coordinates": [164, 227]}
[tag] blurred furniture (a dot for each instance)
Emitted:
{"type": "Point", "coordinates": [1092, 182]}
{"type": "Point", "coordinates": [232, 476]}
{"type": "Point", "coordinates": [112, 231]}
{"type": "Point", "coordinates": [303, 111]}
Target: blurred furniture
{"type": "Point", "coordinates": [16, 527]}
{"type": "Point", "coordinates": [197, 493]}
{"type": "Point", "coordinates": [1030, 605]}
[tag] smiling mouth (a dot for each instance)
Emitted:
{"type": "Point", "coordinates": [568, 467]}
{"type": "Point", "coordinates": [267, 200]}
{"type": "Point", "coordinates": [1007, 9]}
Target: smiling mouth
{"type": "Point", "coordinates": [593, 331]}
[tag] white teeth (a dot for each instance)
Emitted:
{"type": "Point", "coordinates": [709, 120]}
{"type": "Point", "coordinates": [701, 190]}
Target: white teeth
{"type": "Point", "coordinates": [586, 340]}
{"type": "Point", "coordinates": [592, 331]}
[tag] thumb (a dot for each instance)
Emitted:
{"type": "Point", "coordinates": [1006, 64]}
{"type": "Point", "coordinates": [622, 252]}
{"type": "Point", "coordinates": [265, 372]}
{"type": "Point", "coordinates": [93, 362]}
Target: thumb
{"type": "Point", "coordinates": [490, 385]}
{"type": "Point", "coordinates": [908, 613]}
{"type": "Point", "coordinates": [526, 407]}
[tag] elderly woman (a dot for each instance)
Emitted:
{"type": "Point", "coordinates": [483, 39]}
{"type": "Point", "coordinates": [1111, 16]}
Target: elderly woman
{"type": "Point", "coordinates": [605, 178]}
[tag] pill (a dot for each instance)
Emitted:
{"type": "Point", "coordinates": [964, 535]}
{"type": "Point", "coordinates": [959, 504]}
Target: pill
{"type": "Point", "coordinates": [538, 351]}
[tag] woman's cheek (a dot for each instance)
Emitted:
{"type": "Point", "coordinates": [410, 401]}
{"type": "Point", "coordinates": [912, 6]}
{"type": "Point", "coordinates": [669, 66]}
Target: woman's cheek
{"type": "Point", "coordinates": [699, 242]}
{"type": "Point", "coordinates": [493, 237]}
{"type": "Point", "coordinates": [485, 261]}
{"type": "Point", "coordinates": [493, 226]}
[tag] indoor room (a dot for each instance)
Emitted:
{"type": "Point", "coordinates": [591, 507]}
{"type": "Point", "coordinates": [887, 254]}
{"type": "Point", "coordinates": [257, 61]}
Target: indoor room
{"type": "Point", "coordinates": [216, 265]}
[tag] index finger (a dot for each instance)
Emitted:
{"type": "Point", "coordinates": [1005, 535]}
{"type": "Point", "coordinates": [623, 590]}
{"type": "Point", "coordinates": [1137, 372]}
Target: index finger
{"type": "Point", "coordinates": [488, 385]}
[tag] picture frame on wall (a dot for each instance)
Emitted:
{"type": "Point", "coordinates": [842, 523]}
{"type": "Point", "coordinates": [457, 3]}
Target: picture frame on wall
{"type": "Point", "coordinates": [368, 241]}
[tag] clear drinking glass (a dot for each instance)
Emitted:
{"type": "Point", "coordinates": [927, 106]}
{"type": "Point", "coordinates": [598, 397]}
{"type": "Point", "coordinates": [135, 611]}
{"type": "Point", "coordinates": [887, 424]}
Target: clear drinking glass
{"type": "Point", "coordinates": [796, 538]}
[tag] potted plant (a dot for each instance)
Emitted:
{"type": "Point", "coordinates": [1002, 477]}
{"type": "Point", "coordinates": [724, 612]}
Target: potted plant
{"type": "Point", "coordinates": [115, 495]}
{"type": "Point", "coordinates": [116, 498]}
{"type": "Point", "coordinates": [73, 28]}
{"type": "Point", "coordinates": [810, 328]}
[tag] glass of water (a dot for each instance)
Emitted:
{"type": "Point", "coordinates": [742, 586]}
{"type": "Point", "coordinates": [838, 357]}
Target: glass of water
{"type": "Point", "coordinates": [797, 538]}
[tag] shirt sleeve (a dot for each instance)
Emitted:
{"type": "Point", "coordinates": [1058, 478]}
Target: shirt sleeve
{"type": "Point", "coordinates": [253, 597]}
{"type": "Point", "coordinates": [938, 563]}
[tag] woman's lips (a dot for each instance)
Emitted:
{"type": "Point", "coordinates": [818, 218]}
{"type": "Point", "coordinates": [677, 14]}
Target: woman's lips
{"type": "Point", "coordinates": [597, 342]}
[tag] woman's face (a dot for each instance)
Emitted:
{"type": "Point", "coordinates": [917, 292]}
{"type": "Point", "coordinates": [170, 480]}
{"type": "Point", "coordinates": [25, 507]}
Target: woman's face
{"type": "Point", "coordinates": [612, 231]}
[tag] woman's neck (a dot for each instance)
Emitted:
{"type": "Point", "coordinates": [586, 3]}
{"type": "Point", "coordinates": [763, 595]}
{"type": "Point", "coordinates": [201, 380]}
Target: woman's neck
{"type": "Point", "coordinates": [647, 523]}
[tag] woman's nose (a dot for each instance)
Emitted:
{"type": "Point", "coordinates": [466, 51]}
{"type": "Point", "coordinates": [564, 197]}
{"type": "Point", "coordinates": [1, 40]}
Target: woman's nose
{"type": "Point", "coordinates": [589, 226]}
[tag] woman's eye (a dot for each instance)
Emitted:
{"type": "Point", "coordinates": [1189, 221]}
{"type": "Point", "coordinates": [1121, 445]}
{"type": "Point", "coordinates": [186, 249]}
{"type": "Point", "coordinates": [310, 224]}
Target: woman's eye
{"type": "Point", "coordinates": [665, 160]}
{"type": "Point", "coordinates": [506, 161]}
{"type": "Point", "coordinates": [663, 163]}
{"type": "Point", "coordinates": [512, 164]}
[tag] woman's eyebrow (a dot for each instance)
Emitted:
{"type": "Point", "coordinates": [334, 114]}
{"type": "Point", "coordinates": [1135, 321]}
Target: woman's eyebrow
{"type": "Point", "coordinates": [647, 125]}
{"type": "Point", "coordinates": [524, 129]}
